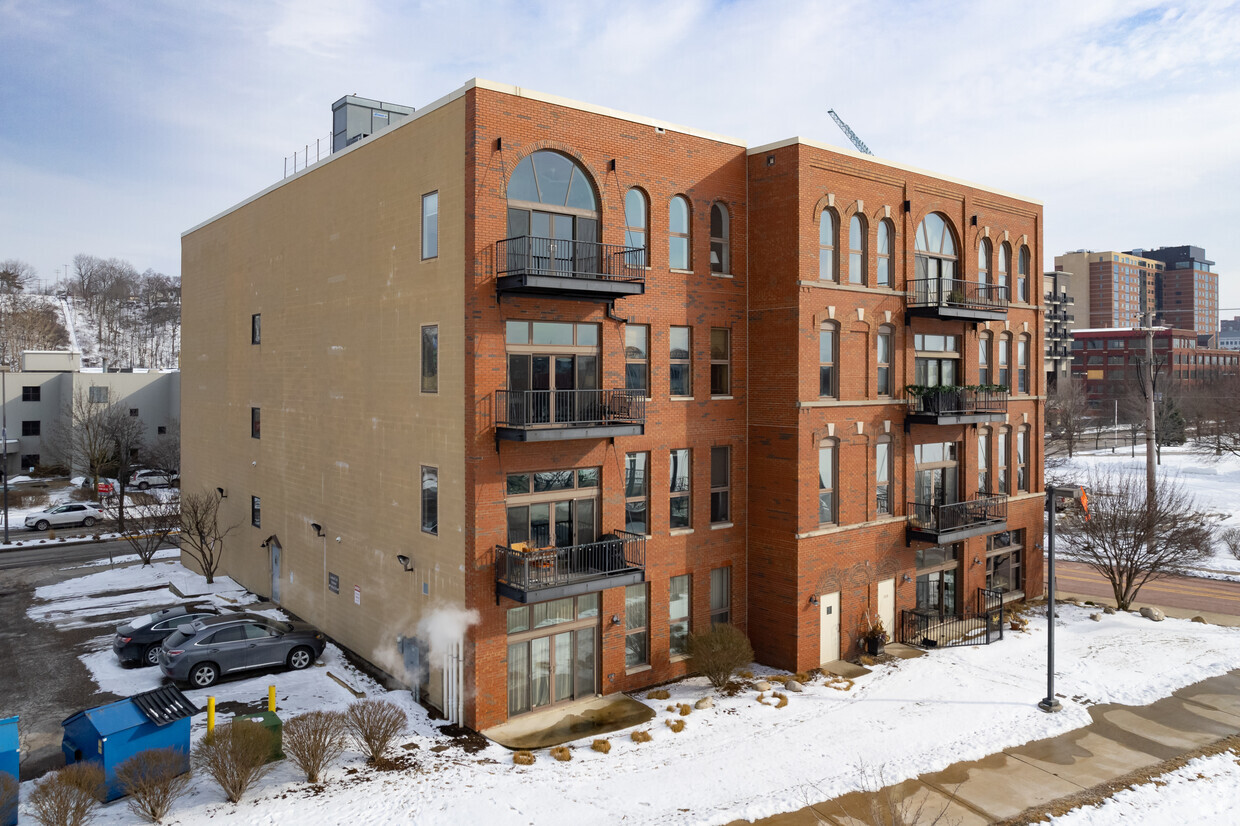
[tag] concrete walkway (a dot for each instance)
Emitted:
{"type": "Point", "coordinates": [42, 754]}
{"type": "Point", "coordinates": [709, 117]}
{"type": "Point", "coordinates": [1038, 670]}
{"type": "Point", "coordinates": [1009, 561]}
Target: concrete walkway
{"type": "Point", "coordinates": [1120, 740]}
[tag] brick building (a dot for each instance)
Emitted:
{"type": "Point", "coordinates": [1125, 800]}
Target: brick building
{"type": "Point", "coordinates": [602, 381]}
{"type": "Point", "coordinates": [1111, 288]}
{"type": "Point", "coordinates": [1108, 360]}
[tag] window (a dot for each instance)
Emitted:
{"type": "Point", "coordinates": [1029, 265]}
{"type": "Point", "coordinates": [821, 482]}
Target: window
{"type": "Point", "coordinates": [983, 460]}
{"type": "Point", "coordinates": [678, 238]}
{"type": "Point", "coordinates": [1005, 357]}
{"type": "Point", "coordinates": [934, 260]}
{"type": "Point", "coordinates": [983, 262]}
{"type": "Point", "coordinates": [98, 395]}
{"type": "Point", "coordinates": [1001, 463]}
{"type": "Point", "coordinates": [161, 430]}
{"type": "Point", "coordinates": [1022, 275]}
{"type": "Point", "coordinates": [430, 499]}
{"type": "Point", "coordinates": [679, 371]}
{"type": "Point", "coordinates": [1003, 560]}
{"type": "Point", "coordinates": [679, 510]}
{"type": "Point", "coordinates": [885, 237]}
{"type": "Point", "coordinates": [635, 227]}
{"type": "Point", "coordinates": [856, 250]}
{"type": "Point", "coordinates": [679, 608]}
{"type": "Point", "coordinates": [550, 364]}
{"type": "Point", "coordinates": [255, 423]}
{"type": "Point", "coordinates": [31, 394]}
{"type": "Point", "coordinates": [30, 460]}
{"type": "Point", "coordinates": [983, 358]}
{"type": "Point", "coordinates": [637, 358]}
{"type": "Point", "coordinates": [133, 412]}
{"type": "Point", "coordinates": [720, 596]}
{"type": "Point", "coordinates": [1022, 364]}
{"type": "Point", "coordinates": [937, 360]}
{"type": "Point", "coordinates": [937, 573]}
{"type": "Point", "coordinates": [826, 484]}
{"type": "Point", "coordinates": [553, 215]}
{"type": "Point", "coordinates": [636, 493]}
{"type": "Point", "coordinates": [720, 477]}
{"type": "Point", "coordinates": [31, 428]}
{"type": "Point", "coordinates": [828, 233]}
{"type": "Point", "coordinates": [256, 328]}
{"type": "Point", "coordinates": [882, 475]}
{"type": "Point", "coordinates": [256, 512]}
{"type": "Point", "coordinates": [720, 251]}
{"type": "Point", "coordinates": [553, 508]}
{"type": "Point", "coordinates": [636, 626]}
{"type": "Point", "coordinates": [883, 357]}
{"type": "Point", "coordinates": [430, 225]}
{"type": "Point", "coordinates": [430, 358]}
{"type": "Point", "coordinates": [1003, 266]}
{"type": "Point", "coordinates": [828, 344]}
{"type": "Point", "coordinates": [935, 481]}
{"type": "Point", "coordinates": [720, 361]}
{"type": "Point", "coordinates": [1022, 459]}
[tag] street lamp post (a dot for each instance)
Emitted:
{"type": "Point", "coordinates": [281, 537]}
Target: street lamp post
{"type": "Point", "coordinates": [1049, 703]}
{"type": "Point", "coordinates": [4, 440]}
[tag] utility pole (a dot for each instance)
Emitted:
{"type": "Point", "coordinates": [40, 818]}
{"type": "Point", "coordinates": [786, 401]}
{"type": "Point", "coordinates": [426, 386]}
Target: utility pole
{"type": "Point", "coordinates": [4, 440]}
{"type": "Point", "coordinates": [1150, 441]}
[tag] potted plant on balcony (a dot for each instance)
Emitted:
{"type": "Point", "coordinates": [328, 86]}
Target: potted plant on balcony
{"type": "Point", "coordinates": [875, 636]}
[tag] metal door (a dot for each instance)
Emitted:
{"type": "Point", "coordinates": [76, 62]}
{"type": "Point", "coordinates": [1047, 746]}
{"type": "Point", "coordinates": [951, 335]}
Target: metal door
{"type": "Point", "coordinates": [887, 605]}
{"type": "Point", "coordinates": [274, 547]}
{"type": "Point", "coordinates": [829, 627]}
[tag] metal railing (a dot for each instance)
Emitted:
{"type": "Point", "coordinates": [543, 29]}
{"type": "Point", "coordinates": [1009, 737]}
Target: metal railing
{"type": "Point", "coordinates": [567, 258]}
{"type": "Point", "coordinates": [957, 401]}
{"type": "Point", "coordinates": [928, 628]}
{"type": "Point", "coordinates": [980, 510]}
{"type": "Point", "coordinates": [531, 570]}
{"type": "Point", "coordinates": [958, 292]}
{"type": "Point", "coordinates": [568, 408]}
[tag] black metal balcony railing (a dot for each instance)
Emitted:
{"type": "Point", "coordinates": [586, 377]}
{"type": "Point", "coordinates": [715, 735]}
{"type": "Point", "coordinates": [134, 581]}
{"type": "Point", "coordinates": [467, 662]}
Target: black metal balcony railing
{"type": "Point", "coordinates": [528, 263]}
{"type": "Point", "coordinates": [618, 558]}
{"type": "Point", "coordinates": [560, 409]}
{"type": "Point", "coordinates": [958, 296]}
{"type": "Point", "coordinates": [956, 402]}
{"type": "Point", "coordinates": [943, 521]}
{"type": "Point", "coordinates": [928, 628]}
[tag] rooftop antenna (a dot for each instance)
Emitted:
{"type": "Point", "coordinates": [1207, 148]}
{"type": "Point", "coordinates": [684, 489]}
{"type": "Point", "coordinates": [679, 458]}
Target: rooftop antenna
{"type": "Point", "coordinates": [852, 136]}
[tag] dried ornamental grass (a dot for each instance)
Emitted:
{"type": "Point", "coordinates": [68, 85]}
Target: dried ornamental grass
{"type": "Point", "coordinates": [672, 707]}
{"type": "Point", "coordinates": [676, 725]}
{"type": "Point", "coordinates": [685, 709]}
{"type": "Point", "coordinates": [68, 797]}
{"type": "Point", "coordinates": [523, 758]}
{"type": "Point", "coordinates": [659, 694]}
{"type": "Point", "coordinates": [601, 746]}
{"type": "Point", "coordinates": [640, 737]}
{"type": "Point", "coordinates": [153, 780]}
{"type": "Point", "coordinates": [781, 700]}
{"type": "Point", "coordinates": [562, 753]}
{"type": "Point", "coordinates": [762, 699]}
{"type": "Point", "coordinates": [315, 740]}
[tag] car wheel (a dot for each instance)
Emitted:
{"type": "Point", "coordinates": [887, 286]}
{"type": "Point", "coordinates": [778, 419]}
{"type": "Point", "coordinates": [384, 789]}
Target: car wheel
{"type": "Point", "coordinates": [300, 658]}
{"type": "Point", "coordinates": [151, 655]}
{"type": "Point", "coordinates": [143, 485]}
{"type": "Point", "coordinates": [204, 675]}
{"type": "Point", "coordinates": [42, 525]}
{"type": "Point", "coordinates": [88, 521]}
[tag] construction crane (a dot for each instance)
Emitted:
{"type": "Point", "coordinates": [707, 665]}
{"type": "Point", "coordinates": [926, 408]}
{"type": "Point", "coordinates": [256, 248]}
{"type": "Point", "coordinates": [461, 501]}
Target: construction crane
{"type": "Point", "coordinates": [852, 136]}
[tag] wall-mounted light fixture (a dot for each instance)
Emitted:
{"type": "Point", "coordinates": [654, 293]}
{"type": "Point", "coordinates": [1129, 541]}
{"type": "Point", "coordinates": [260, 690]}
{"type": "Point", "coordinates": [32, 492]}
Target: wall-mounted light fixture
{"type": "Point", "coordinates": [908, 578]}
{"type": "Point", "coordinates": [908, 206]}
{"type": "Point", "coordinates": [318, 529]}
{"type": "Point", "coordinates": [405, 562]}
{"type": "Point", "coordinates": [499, 144]}
{"type": "Point", "coordinates": [611, 165]}
{"type": "Point", "coordinates": [977, 561]}
{"type": "Point", "coordinates": [813, 600]}
{"type": "Point", "coordinates": [615, 619]}
{"type": "Point", "coordinates": [220, 491]}
{"type": "Point", "coordinates": [973, 221]}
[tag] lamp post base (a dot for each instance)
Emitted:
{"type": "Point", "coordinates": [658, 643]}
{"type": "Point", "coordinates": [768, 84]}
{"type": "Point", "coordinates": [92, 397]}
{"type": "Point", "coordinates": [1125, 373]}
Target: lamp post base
{"type": "Point", "coordinates": [1049, 705]}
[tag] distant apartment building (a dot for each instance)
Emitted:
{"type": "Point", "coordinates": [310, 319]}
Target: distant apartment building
{"type": "Point", "coordinates": [1187, 289]}
{"type": "Point", "coordinates": [1109, 360]}
{"type": "Point", "coordinates": [1057, 323]}
{"type": "Point", "coordinates": [1229, 334]}
{"type": "Point", "coordinates": [1112, 289]}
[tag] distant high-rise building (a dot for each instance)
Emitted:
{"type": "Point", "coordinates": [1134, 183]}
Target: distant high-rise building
{"type": "Point", "coordinates": [1112, 288]}
{"type": "Point", "coordinates": [1187, 288]}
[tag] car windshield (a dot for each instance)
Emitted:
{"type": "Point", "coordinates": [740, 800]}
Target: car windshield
{"type": "Point", "coordinates": [177, 638]}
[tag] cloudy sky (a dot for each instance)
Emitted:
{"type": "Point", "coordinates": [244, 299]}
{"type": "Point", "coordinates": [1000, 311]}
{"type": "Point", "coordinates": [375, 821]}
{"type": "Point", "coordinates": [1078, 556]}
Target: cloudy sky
{"type": "Point", "coordinates": [125, 122]}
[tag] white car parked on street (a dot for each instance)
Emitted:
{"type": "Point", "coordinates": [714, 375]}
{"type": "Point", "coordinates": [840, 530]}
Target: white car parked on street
{"type": "Point", "coordinates": [70, 513]}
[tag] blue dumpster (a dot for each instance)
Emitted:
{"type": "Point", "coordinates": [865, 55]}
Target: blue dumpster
{"type": "Point", "coordinates": [10, 762]}
{"type": "Point", "coordinates": [112, 734]}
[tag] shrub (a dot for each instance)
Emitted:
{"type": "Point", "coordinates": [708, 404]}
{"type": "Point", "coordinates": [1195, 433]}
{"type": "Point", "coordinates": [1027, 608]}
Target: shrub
{"type": "Point", "coordinates": [375, 724]}
{"type": "Point", "coordinates": [801, 677]}
{"type": "Point", "coordinates": [153, 779]}
{"type": "Point", "coordinates": [745, 674]}
{"type": "Point", "coordinates": [69, 797]}
{"type": "Point", "coordinates": [562, 753]}
{"type": "Point", "coordinates": [8, 798]}
{"type": "Point", "coordinates": [685, 709]}
{"type": "Point", "coordinates": [235, 755]}
{"type": "Point", "coordinates": [676, 725]}
{"type": "Point", "coordinates": [719, 653]}
{"type": "Point", "coordinates": [315, 740]}
{"type": "Point", "coordinates": [601, 746]}
{"type": "Point", "coordinates": [1230, 538]}
{"type": "Point", "coordinates": [523, 758]}
{"type": "Point", "coordinates": [659, 694]}
{"type": "Point", "coordinates": [640, 737]}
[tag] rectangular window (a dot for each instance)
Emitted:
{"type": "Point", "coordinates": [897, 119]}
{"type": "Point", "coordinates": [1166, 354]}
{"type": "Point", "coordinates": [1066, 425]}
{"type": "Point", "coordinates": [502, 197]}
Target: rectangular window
{"type": "Point", "coordinates": [679, 510]}
{"type": "Point", "coordinates": [636, 626]}
{"type": "Point", "coordinates": [1005, 352]}
{"type": "Point", "coordinates": [1022, 365]}
{"type": "Point", "coordinates": [680, 368]}
{"type": "Point", "coordinates": [161, 430]}
{"type": "Point", "coordinates": [256, 328]}
{"type": "Point", "coordinates": [679, 608]}
{"type": "Point", "coordinates": [1022, 460]}
{"type": "Point", "coordinates": [882, 477]}
{"type": "Point", "coordinates": [983, 360]}
{"type": "Point", "coordinates": [31, 394]}
{"type": "Point", "coordinates": [826, 484]}
{"type": "Point", "coordinates": [133, 412]}
{"type": "Point", "coordinates": [30, 460]}
{"type": "Point", "coordinates": [98, 395]}
{"type": "Point", "coordinates": [720, 596]}
{"type": "Point", "coordinates": [255, 423]}
{"type": "Point", "coordinates": [430, 225]}
{"type": "Point", "coordinates": [983, 461]}
{"type": "Point", "coordinates": [1001, 463]}
{"type": "Point", "coordinates": [826, 362]}
{"type": "Point", "coordinates": [720, 361]}
{"type": "Point", "coordinates": [256, 512]}
{"type": "Point", "coordinates": [430, 358]}
{"type": "Point", "coordinates": [636, 493]}
{"type": "Point", "coordinates": [30, 428]}
{"type": "Point", "coordinates": [884, 364]}
{"type": "Point", "coordinates": [430, 499]}
{"type": "Point", "coordinates": [637, 358]}
{"type": "Point", "coordinates": [720, 476]}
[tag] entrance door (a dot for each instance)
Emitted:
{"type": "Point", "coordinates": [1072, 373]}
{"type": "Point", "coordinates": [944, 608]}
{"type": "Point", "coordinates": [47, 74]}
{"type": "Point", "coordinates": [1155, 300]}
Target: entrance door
{"type": "Point", "coordinates": [887, 606]}
{"type": "Point", "coordinates": [829, 627]}
{"type": "Point", "coordinates": [274, 547]}
{"type": "Point", "coordinates": [552, 669]}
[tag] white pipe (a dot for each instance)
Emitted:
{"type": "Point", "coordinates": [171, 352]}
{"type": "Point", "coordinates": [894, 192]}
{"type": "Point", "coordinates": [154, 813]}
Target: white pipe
{"type": "Point", "coordinates": [460, 683]}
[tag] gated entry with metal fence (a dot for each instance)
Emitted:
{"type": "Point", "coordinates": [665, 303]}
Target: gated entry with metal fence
{"type": "Point", "coordinates": [927, 628]}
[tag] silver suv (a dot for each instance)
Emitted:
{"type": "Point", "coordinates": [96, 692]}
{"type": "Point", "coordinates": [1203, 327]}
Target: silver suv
{"type": "Point", "coordinates": [143, 479]}
{"type": "Point", "coordinates": [199, 652]}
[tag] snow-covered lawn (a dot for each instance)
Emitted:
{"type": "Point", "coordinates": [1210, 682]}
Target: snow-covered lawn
{"type": "Point", "coordinates": [740, 759]}
{"type": "Point", "coordinates": [58, 493]}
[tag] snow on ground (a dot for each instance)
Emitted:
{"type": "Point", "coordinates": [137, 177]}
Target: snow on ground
{"type": "Point", "coordinates": [740, 759]}
{"type": "Point", "coordinates": [58, 493]}
{"type": "Point", "coordinates": [1213, 482]}
{"type": "Point", "coordinates": [1205, 790]}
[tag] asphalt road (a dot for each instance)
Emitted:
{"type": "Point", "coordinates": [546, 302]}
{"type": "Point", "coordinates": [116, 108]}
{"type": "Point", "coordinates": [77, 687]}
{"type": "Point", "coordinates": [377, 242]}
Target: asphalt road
{"type": "Point", "coordinates": [1184, 593]}
{"type": "Point", "coordinates": [55, 553]}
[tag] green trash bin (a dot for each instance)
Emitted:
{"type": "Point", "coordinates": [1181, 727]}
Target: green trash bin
{"type": "Point", "coordinates": [270, 721]}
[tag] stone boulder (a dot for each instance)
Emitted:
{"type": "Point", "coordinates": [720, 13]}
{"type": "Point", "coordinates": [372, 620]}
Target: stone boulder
{"type": "Point", "coordinates": [1200, 619]}
{"type": "Point", "coordinates": [794, 686]}
{"type": "Point", "coordinates": [1096, 617]}
{"type": "Point", "coordinates": [1107, 609]}
{"type": "Point", "coordinates": [762, 685]}
{"type": "Point", "coordinates": [1155, 614]}
{"type": "Point", "coordinates": [705, 702]}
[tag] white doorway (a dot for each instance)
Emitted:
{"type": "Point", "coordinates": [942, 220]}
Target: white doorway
{"type": "Point", "coordinates": [274, 547]}
{"type": "Point", "coordinates": [829, 627]}
{"type": "Point", "coordinates": [887, 606]}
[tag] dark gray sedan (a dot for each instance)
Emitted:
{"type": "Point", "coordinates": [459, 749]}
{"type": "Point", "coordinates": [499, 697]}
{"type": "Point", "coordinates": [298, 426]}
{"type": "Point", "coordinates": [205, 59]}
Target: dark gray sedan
{"type": "Point", "coordinates": [198, 653]}
{"type": "Point", "coordinates": [137, 641]}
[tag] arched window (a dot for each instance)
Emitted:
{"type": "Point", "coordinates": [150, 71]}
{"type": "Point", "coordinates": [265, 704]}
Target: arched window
{"type": "Point", "coordinates": [1001, 461]}
{"type": "Point", "coordinates": [1005, 360]}
{"type": "Point", "coordinates": [856, 250]}
{"type": "Point", "coordinates": [828, 360]}
{"type": "Point", "coordinates": [553, 209]}
{"type": "Point", "coordinates": [678, 238]}
{"type": "Point", "coordinates": [983, 358]}
{"type": "Point", "coordinates": [883, 352]}
{"type": "Point", "coordinates": [882, 475]}
{"type": "Point", "coordinates": [826, 482]}
{"type": "Point", "coordinates": [720, 246]}
{"type": "Point", "coordinates": [983, 460]}
{"type": "Point", "coordinates": [1022, 459]}
{"type": "Point", "coordinates": [934, 259]}
{"type": "Point", "coordinates": [983, 262]}
{"type": "Point", "coordinates": [1003, 266]}
{"type": "Point", "coordinates": [1022, 364]}
{"type": "Point", "coordinates": [886, 236]}
{"type": "Point", "coordinates": [828, 240]}
{"type": "Point", "coordinates": [1022, 275]}
{"type": "Point", "coordinates": [637, 226]}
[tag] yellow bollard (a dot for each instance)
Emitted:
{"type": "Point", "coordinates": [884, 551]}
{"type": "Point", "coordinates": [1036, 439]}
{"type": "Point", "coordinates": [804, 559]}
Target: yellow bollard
{"type": "Point", "coordinates": [271, 698]}
{"type": "Point", "coordinates": [210, 714]}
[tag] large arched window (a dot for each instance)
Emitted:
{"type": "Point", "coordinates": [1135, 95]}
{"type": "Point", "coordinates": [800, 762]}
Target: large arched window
{"type": "Point", "coordinates": [934, 259]}
{"type": "Point", "coordinates": [883, 353]}
{"type": "Point", "coordinates": [1003, 266]}
{"type": "Point", "coordinates": [720, 245]}
{"type": "Point", "coordinates": [828, 241]}
{"type": "Point", "coordinates": [637, 226]}
{"type": "Point", "coordinates": [552, 207]}
{"type": "Point", "coordinates": [983, 262]}
{"type": "Point", "coordinates": [828, 360]}
{"type": "Point", "coordinates": [856, 250]}
{"type": "Point", "coordinates": [1022, 364]}
{"type": "Point", "coordinates": [983, 358]}
{"type": "Point", "coordinates": [1022, 275]}
{"type": "Point", "coordinates": [678, 238]}
{"type": "Point", "coordinates": [886, 235]}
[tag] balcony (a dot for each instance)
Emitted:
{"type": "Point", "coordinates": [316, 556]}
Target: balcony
{"type": "Point", "coordinates": [564, 268]}
{"type": "Point", "coordinates": [534, 575]}
{"type": "Point", "coordinates": [553, 415]}
{"type": "Point", "coordinates": [955, 299]}
{"type": "Point", "coordinates": [955, 405]}
{"type": "Point", "coordinates": [954, 521]}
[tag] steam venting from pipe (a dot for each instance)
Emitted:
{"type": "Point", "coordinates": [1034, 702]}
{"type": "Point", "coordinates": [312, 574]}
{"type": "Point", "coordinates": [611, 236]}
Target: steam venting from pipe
{"type": "Point", "coordinates": [444, 630]}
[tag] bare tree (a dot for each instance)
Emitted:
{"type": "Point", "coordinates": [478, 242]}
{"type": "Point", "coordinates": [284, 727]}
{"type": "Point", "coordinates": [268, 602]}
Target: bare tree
{"type": "Point", "coordinates": [83, 437]}
{"type": "Point", "coordinates": [202, 537]}
{"type": "Point", "coordinates": [165, 452]}
{"type": "Point", "coordinates": [15, 275]}
{"type": "Point", "coordinates": [1067, 413]}
{"type": "Point", "coordinates": [1215, 412]}
{"type": "Point", "coordinates": [1130, 541]}
{"type": "Point", "coordinates": [149, 520]}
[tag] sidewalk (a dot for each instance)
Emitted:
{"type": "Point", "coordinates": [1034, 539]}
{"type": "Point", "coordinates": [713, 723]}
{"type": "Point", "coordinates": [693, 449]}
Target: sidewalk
{"type": "Point", "coordinates": [1030, 778]}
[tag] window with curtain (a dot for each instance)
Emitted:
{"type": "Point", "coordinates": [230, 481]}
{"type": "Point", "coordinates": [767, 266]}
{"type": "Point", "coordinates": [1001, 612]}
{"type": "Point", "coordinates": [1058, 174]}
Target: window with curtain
{"type": "Point", "coordinates": [856, 250]}
{"type": "Point", "coordinates": [720, 361]}
{"type": "Point", "coordinates": [678, 238]}
{"type": "Point", "coordinates": [637, 358]}
{"type": "Point", "coordinates": [720, 251]}
{"type": "Point", "coordinates": [828, 241]}
{"type": "Point", "coordinates": [720, 596]}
